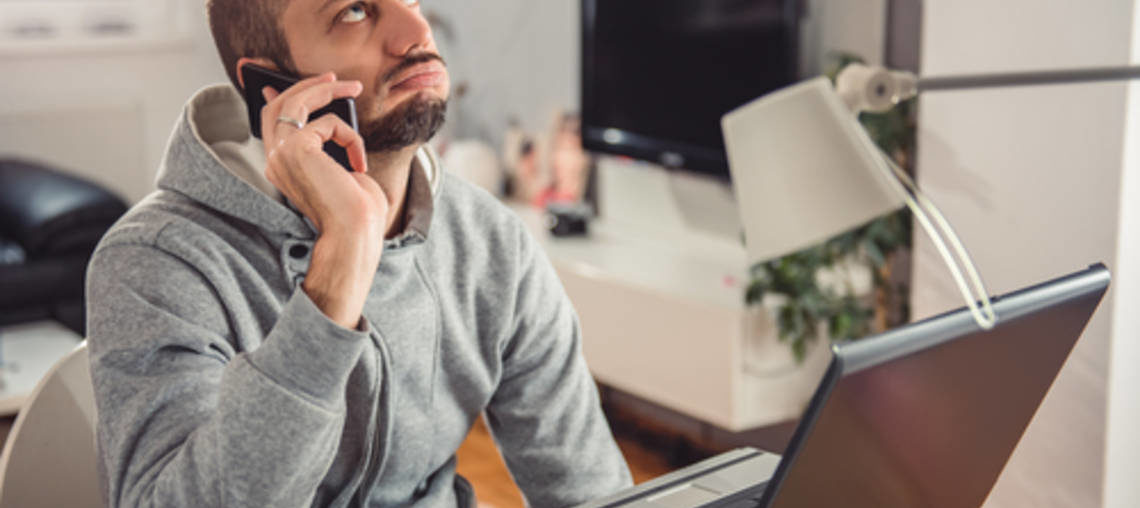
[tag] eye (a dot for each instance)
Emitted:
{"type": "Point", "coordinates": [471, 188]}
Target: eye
{"type": "Point", "coordinates": [355, 13]}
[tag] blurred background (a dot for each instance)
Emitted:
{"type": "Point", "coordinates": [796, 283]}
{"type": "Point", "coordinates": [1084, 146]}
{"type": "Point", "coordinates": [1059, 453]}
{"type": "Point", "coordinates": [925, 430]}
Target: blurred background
{"type": "Point", "coordinates": [599, 126]}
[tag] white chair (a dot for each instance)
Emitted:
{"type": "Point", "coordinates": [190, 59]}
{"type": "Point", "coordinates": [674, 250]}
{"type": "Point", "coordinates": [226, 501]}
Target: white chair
{"type": "Point", "coordinates": [49, 457]}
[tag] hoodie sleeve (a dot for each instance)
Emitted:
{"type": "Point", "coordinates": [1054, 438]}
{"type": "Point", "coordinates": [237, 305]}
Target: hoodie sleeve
{"type": "Point", "coordinates": [545, 413]}
{"type": "Point", "coordinates": [184, 419]}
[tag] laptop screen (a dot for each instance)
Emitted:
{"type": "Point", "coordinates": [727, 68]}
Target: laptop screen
{"type": "Point", "coordinates": [934, 425]}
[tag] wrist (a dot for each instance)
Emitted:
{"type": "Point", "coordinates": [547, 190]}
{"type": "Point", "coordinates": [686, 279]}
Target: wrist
{"type": "Point", "coordinates": [340, 276]}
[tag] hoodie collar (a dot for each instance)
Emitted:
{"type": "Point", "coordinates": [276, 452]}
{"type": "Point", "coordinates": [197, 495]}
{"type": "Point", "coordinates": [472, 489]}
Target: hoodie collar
{"type": "Point", "coordinates": [213, 159]}
{"type": "Point", "coordinates": [423, 186]}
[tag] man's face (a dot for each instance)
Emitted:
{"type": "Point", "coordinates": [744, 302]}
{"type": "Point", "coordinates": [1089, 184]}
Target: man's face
{"type": "Point", "coordinates": [385, 44]}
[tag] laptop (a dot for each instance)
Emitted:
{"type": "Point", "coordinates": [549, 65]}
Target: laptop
{"type": "Point", "coordinates": [924, 415]}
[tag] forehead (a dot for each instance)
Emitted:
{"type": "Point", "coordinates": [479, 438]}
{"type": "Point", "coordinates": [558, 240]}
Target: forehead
{"type": "Point", "coordinates": [311, 6]}
{"type": "Point", "coordinates": [327, 5]}
{"type": "Point", "coordinates": [300, 15]}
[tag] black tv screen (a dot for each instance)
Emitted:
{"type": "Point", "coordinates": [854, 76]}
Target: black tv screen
{"type": "Point", "coordinates": [657, 75]}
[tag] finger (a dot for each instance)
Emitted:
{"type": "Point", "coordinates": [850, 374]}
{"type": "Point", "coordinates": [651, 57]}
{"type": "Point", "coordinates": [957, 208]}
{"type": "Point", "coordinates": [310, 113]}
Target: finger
{"type": "Point", "coordinates": [307, 83]}
{"type": "Point", "coordinates": [275, 100]}
{"type": "Point", "coordinates": [269, 93]}
{"type": "Point", "coordinates": [276, 172]}
{"type": "Point", "coordinates": [268, 135]}
{"type": "Point", "coordinates": [302, 104]}
{"type": "Point", "coordinates": [269, 115]}
{"type": "Point", "coordinates": [373, 189]}
{"type": "Point", "coordinates": [332, 128]}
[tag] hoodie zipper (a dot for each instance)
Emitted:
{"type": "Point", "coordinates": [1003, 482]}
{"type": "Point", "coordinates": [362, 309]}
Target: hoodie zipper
{"type": "Point", "coordinates": [377, 451]}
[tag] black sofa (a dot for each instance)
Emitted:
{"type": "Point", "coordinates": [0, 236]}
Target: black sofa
{"type": "Point", "coordinates": [50, 223]}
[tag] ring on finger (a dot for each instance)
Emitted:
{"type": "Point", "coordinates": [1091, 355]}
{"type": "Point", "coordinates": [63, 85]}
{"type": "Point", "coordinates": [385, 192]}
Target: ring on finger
{"type": "Point", "coordinates": [291, 121]}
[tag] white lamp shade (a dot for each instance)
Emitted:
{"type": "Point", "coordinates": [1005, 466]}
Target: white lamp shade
{"type": "Point", "coordinates": [804, 170]}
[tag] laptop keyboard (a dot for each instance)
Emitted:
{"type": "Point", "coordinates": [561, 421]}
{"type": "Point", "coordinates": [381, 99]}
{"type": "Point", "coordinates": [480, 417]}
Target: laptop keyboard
{"type": "Point", "coordinates": [742, 503]}
{"type": "Point", "coordinates": [747, 498]}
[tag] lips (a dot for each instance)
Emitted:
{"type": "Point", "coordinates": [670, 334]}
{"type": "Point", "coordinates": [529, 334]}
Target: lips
{"type": "Point", "coordinates": [424, 75]}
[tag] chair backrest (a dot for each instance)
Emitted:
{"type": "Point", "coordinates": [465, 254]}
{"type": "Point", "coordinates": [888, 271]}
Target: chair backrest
{"type": "Point", "coordinates": [49, 458]}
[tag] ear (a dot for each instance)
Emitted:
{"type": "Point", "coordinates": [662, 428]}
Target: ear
{"type": "Point", "coordinates": [260, 62]}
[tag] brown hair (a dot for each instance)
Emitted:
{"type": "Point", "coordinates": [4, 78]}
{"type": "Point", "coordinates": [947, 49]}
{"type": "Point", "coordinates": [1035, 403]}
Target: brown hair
{"type": "Point", "coordinates": [249, 28]}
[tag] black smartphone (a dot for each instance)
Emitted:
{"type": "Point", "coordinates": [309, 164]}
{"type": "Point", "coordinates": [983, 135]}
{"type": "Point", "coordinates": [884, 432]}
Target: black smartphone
{"type": "Point", "coordinates": [256, 78]}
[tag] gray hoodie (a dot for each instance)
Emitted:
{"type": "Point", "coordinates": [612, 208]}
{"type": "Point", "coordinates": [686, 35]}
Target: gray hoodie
{"type": "Point", "coordinates": [219, 383]}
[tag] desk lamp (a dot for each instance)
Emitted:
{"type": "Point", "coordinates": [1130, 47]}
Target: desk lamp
{"type": "Point", "coordinates": [804, 169]}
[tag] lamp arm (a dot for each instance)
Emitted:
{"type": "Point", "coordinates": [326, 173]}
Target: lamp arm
{"type": "Point", "coordinates": [878, 89]}
{"type": "Point", "coordinates": [940, 231]}
{"type": "Point", "coordinates": [873, 88]}
{"type": "Point", "coordinates": [1092, 74]}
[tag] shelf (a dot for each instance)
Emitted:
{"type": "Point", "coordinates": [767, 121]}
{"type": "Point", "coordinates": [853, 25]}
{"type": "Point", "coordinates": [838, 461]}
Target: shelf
{"type": "Point", "coordinates": [35, 48]}
{"type": "Point", "coordinates": [34, 28]}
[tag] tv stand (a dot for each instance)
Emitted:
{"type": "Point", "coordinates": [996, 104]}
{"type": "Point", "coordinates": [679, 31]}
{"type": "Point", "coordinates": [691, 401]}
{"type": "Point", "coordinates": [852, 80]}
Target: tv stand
{"type": "Point", "coordinates": [664, 319]}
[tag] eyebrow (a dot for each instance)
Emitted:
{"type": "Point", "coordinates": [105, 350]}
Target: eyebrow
{"type": "Point", "coordinates": [327, 4]}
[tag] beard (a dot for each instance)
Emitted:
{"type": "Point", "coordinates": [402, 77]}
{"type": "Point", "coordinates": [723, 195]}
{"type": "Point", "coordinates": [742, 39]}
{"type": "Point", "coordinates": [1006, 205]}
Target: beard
{"type": "Point", "coordinates": [413, 122]}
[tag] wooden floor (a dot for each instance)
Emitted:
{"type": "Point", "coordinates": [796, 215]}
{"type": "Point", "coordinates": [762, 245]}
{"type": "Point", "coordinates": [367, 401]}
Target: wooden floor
{"type": "Point", "coordinates": [481, 464]}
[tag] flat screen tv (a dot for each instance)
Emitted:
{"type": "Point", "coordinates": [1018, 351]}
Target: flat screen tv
{"type": "Point", "coordinates": [657, 75]}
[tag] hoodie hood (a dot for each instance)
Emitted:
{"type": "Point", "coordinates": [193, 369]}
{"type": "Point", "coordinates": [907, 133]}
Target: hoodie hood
{"type": "Point", "coordinates": [212, 159]}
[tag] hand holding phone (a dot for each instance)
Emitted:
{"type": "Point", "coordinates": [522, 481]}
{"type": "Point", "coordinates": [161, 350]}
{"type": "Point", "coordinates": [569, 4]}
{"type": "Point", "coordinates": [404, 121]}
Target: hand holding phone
{"type": "Point", "coordinates": [350, 210]}
{"type": "Point", "coordinates": [256, 78]}
{"type": "Point", "coordinates": [296, 161]}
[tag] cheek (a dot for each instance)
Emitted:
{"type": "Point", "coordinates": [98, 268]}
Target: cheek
{"type": "Point", "coordinates": [446, 86]}
{"type": "Point", "coordinates": [344, 57]}
{"type": "Point", "coordinates": [312, 58]}
{"type": "Point", "coordinates": [368, 107]}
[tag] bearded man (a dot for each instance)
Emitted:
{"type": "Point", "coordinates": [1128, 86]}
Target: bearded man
{"type": "Point", "coordinates": [269, 329]}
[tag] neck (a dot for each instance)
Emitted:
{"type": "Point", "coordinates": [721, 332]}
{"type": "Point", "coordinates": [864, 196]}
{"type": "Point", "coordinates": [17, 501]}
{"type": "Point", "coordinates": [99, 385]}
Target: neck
{"type": "Point", "coordinates": [391, 170]}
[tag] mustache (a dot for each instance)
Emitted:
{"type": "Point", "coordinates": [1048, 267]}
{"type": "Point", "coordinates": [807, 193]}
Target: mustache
{"type": "Point", "coordinates": [410, 62]}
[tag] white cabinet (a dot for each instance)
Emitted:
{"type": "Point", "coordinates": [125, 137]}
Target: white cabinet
{"type": "Point", "coordinates": [663, 314]}
{"type": "Point", "coordinates": [36, 26]}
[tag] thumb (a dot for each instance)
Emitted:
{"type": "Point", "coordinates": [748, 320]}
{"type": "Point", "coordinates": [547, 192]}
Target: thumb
{"type": "Point", "coordinates": [373, 189]}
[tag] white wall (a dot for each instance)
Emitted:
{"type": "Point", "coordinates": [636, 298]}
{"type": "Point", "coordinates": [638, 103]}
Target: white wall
{"type": "Point", "coordinates": [975, 36]}
{"type": "Point", "coordinates": [521, 57]}
{"type": "Point", "coordinates": [1122, 439]}
{"type": "Point", "coordinates": [858, 27]}
{"type": "Point", "coordinates": [1030, 178]}
{"type": "Point", "coordinates": [105, 112]}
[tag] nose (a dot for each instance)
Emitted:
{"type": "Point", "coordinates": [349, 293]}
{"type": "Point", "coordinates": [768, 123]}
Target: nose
{"type": "Point", "coordinates": [406, 27]}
